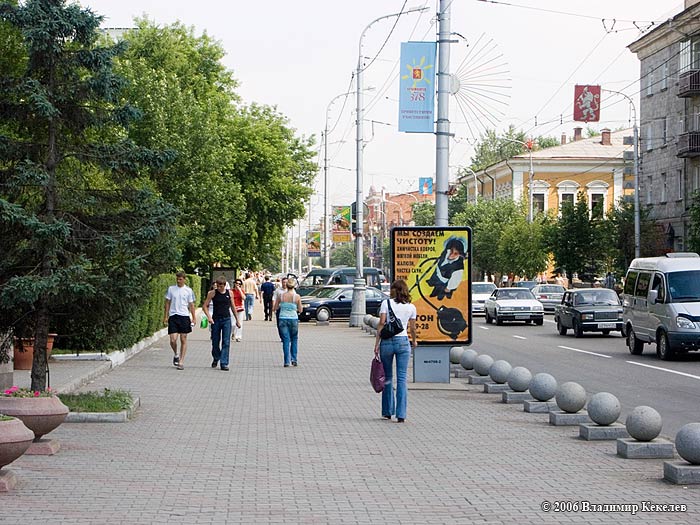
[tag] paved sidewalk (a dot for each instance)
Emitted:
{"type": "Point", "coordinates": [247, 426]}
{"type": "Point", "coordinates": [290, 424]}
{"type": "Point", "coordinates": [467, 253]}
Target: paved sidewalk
{"type": "Point", "coordinates": [267, 444]}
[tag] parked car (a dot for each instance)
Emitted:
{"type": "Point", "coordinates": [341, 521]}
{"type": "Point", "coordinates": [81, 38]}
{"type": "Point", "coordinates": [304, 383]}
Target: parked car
{"type": "Point", "coordinates": [337, 301]}
{"type": "Point", "coordinates": [661, 304]}
{"type": "Point", "coordinates": [549, 295]}
{"type": "Point", "coordinates": [480, 292]}
{"type": "Point", "coordinates": [338, 275]}
{"type": "Point", "coordinates": [525, 284]}
{"type": "Point", "coordinates": [589, 310]}
{"type": "Point", "coordinates": [513, 304]}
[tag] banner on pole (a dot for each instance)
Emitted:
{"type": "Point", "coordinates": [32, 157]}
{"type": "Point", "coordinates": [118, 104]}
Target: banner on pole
{"type": "Point", "coordinates": [425, 186]}
{"type": "Point", "coordinates": [313, 244]}
{"type": "Point", "coordinates": [417, 87]}
{"type": "Point", "coordinates": [341, 218]}
{"type": "Point", "coordinates": [436, 264]}
{"type": "Point", "coordinates": [587, 103]}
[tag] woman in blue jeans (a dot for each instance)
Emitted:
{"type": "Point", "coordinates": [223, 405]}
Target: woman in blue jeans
{"type": "Point", "coordinates": [289, 304]}
{"type": "Point", "coordinates": [397, 346]}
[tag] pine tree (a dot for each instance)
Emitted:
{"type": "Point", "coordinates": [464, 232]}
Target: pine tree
{"type": "Point", "coordinates": [82, 230]}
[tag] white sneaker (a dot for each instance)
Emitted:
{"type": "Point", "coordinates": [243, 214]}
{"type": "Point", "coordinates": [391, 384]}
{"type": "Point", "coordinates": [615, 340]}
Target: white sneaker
{"type": "Point", "coordinates": [238, 339]}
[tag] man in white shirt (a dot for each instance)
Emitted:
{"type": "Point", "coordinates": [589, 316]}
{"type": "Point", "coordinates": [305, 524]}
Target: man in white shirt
{"type": "Point", "coordinates": [179, 306]}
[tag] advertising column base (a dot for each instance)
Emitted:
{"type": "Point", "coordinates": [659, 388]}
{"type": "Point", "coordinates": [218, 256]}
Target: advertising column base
{"type": "Point", "coordinates": [431, 364]}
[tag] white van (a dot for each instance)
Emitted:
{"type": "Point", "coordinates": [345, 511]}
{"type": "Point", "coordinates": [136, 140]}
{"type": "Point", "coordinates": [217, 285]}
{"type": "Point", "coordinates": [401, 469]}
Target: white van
{"type": "Point", "coordinates": [661, 304]}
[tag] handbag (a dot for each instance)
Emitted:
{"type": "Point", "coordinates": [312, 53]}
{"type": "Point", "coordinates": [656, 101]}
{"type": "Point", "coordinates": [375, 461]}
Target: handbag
{"type": "Point", "coordinates": [392, 326]}
{"type": "Point", "coordinates": [376, 375]}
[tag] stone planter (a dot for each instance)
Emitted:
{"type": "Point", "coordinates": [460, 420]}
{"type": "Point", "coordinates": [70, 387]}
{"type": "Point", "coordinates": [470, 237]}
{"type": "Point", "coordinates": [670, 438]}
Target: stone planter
{"type": "Point", "coordinates": [15, 439]}
{"type": "Point", "coordinates": [23, 358]}
{"type": "Point", "coordinates": [41, 415]}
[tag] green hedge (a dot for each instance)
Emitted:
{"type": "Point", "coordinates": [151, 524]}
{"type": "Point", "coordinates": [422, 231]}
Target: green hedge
{"type": "Point", "coordinates": [142, 318]}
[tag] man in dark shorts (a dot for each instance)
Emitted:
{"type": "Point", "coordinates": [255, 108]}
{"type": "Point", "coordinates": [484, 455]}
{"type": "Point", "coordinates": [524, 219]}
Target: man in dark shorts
{"type": "Point", "coordinates": [179, 316]}
{"type": "Point", "coordinates": [268, 291]}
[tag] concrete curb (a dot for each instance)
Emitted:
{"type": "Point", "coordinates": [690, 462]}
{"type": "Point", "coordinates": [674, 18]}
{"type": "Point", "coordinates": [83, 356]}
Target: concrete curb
{"type": "Point", "coordinates": [104, 417]}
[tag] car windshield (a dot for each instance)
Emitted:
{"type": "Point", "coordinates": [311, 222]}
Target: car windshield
{"type": "Point", "coordinates": [551, 288]}
{"type": "Point", "coordinates": [314, 280]}
{"type": "Point", "coordinates": [525, 284]}
{"type": "Point", "coordinates": [684, 286]}
{"type": "Point", "coordinates": [327, 293]}
{"type": "Point", "coordinates": [596, 297]}
{"type": "Point", "coordinates": [516, 293]}
{"type": "Point", "coordinates": [483, 287]}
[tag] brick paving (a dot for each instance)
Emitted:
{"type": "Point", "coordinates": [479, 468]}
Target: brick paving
{"type": "Point", "coordinates": [267, 444]}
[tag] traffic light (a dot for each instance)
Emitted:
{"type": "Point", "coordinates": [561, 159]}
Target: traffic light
{"type": "Point", "coordinates": [353, 219]}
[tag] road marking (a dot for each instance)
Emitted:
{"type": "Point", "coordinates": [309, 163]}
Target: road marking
{"type": "Point", "coordinates": [664, 369]}
{"type": "Point", "coordinates": [584, 351]}
{"type": "Point", "coordinates": [484, 327]}
{"type": "Point", "coordinates": [520, 337]}
{"type": "Point", "coordinates": [550, 321]}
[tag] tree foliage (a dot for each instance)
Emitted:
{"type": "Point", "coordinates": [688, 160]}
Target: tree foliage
{"type": "Point", "coordinates": [522, 249]}
{"type": "Point", "coordinates": [82, 226]}
{"type": "Point", "coordinates": [494, 148]}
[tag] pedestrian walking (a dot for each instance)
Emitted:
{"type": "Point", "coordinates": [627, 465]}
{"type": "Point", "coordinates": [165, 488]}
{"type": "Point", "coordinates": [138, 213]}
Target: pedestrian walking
{"type": "Point", "coordinates": [179, 316]}
{"type": "Point", "coordinates": [250, 287]}
{"type": "Point", "coordinates": [267, 289]}
{"type": "Point", "coordinates": [610, 281]}
{"type": "Point", "coordinates": [275, 301]}
{"type": "Point", "coordinates": [239, 310]}
{"type": "Point", "coordinates": [397, 347]}
{"type": "Point", "coordinates": [289, 304]}
{"type": "Point", "coordinates": [220, 322]}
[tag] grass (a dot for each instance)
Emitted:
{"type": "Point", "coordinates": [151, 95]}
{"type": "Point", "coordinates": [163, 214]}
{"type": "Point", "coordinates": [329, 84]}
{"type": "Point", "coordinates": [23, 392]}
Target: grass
{"type": "Point", "coordinates": [5, 418]}
{"type": "Point", "coordinates": [107, 401]}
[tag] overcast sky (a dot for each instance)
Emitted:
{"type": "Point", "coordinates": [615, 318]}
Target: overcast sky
{"type": "Point", "coordinates": [300, 54]}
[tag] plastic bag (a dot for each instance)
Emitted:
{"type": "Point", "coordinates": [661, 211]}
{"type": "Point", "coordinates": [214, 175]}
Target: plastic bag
{"type": "Point", "coordinates": [376, 375]}
{"type": "Point", "coordinates": [204, 322]}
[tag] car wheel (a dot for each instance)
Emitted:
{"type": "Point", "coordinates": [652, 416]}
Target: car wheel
{"type": "Point", "coordinates": [606, 332]}
{"type": "Point", "coordinates": [561, 328]}
{"type": "Point", "coordinates": [635, 345]}
{"type": "Point", "coordinates": [539, 322]}
{"type": "Point", "coordinates": [323, 313]}
{"type": "Point", "coordinates": [499, 321]}
{"type": "Point", "coordinates": [663, 347]}
{"type": "Point", "coordinates": [487, 317]}
{"type": "Point", "coordinates": [528, 321]}
{"type": "Point", "coordinates": [578, 329]}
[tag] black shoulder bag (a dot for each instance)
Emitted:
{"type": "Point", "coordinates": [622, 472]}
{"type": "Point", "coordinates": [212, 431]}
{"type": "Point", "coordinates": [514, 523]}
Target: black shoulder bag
{"type": "Point", "coordinates": [393, 324]}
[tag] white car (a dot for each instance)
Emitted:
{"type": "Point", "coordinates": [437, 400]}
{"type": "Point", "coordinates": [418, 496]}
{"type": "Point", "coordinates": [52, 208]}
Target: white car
{"type": "Point", "coordinates": [513, 304]}
{"type": "Point", "coordinates": [480, 292]}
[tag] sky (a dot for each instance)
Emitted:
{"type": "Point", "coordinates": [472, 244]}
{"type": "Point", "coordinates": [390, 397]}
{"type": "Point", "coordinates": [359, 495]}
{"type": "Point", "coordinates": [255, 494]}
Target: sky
{"type": "Point", "coordinates": [525, 56]}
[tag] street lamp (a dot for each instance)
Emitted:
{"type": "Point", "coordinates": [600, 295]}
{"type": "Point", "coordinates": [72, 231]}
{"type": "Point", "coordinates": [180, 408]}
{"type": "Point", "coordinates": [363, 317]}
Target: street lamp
{"type": "Point", "coordinates": [475, 183]}
{"type": "Point", "coordinates": [358, 297]}
{"type": "Point", "coordinates": [635, 132]}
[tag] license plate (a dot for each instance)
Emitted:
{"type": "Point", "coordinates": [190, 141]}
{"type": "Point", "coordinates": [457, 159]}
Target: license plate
{"type": "Point", "coordinates": [607, 325]}
{"type": "Point", "coordinates": [522, 316]}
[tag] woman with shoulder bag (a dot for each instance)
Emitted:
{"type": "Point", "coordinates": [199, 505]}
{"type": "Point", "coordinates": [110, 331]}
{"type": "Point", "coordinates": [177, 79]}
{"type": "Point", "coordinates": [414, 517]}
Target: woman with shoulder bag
{"type": "Point", "coordinates": [239, 301]}
{"type": "Point", "coordinates": [397, 346]}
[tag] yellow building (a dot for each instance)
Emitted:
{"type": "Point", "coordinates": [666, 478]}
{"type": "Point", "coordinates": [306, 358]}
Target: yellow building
{"type": "Point", "coordinates": [595, 166]}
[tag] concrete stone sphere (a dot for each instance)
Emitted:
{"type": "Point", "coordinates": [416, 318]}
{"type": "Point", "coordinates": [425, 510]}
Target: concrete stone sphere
{"type": "Point", "coordinates": [688, 443]}
{"type": "Point", "coordinates": [374, 322]}
{"type": "Point", "coordinates": [467, 359]}
{"type": "Point", "coordinates": [366, 318]}
{"type": "Point", "coordinates": [604, 408]}
{"type": "Point", "coordinates": [482, 363]}
{"type": "Point", "coordinates": [499, 371]}
{"type": "Point", "coordinates": [643, 423]}
{"type": "Point", "coordinates": [519, 379]}
{"type": "Point", "coordinates": [543, 386]}
{"type": "Point", "coordinates": [570, 397]}
{"type": "Point", "coordinates": [322, 315]}
{"type": "Point", "coordinates": [455, 354]}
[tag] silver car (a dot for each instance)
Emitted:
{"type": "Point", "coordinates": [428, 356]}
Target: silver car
{"type": "Point", "coordinates": [549, 295]}
{"type": "Point", "coordinates": [513, 304]}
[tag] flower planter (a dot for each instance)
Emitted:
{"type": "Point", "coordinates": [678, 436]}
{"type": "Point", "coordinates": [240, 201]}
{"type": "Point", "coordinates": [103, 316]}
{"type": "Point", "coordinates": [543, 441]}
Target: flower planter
{"type": "Point", "coordinates": [41, 415]}
{"type": "Point", "coordinates": [15, 439]}
{"type": "Point", "coordinates": [23, 358]}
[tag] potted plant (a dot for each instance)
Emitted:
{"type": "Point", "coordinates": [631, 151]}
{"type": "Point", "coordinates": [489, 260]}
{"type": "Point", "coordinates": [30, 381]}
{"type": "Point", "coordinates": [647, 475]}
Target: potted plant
{"type": "Point", "coordinates": [24, 351]}
{"type": "Point", "coordinates": [6, 360]}
{"type": "Point", "coordinates": [41, 412]}
{"type": "Point", "coordinates": [15, 439]}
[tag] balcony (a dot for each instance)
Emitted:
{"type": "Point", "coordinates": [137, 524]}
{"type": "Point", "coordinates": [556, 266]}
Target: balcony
{"type": "Point", "coordinates": [689, 144]}
{"type": "Point", "coordinates": [689, 83]}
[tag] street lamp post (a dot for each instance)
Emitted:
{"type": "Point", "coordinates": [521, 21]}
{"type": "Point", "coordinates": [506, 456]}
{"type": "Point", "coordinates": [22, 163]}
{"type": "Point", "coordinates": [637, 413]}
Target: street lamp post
{"type": "Point", "coordinates": [635, 132]}
{"type": "Point", "coordinates": [358, 297]}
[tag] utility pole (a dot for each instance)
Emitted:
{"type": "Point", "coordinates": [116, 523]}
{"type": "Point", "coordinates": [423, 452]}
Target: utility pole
{"type": "Point", "coordinates": [442, 153]}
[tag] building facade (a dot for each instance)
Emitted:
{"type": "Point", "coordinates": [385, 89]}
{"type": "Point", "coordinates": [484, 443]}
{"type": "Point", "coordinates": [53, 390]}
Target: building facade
{"type": "Point", "coordinates": [669, 143]}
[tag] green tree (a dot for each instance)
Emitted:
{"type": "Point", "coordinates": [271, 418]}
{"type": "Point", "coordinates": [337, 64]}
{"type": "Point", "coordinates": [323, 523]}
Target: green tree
{"type": "Point", "coordinates": [494, 148]}
{"type": "Point", "coordinates": [522, 249]}
{"type": "Point", "coordinates": [82, 228]}
{"type": "Point", "coordinates": [622, 237]}
{"type": "Point", "coordinates": [547, 142]}
{"type": "Point", "coordinates": [571, 237]}
{"type": "Point", "coordinates": [424, 214]}
{"type": "Point", "coordinates": [344, 255]}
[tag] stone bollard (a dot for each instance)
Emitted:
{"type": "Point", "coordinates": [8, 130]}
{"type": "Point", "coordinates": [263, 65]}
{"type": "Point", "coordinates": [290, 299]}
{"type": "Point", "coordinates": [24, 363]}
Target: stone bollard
{"type": "Point", "coordinates": [374, 322]}
{"type": "Point", "coordinates": [644, 425]}
{"type": "Point", "coordinates": [499, 374]}
{"type": "Point", "coordinates": [570, 398]}
{"type": "Point", "coordinates": [467, 359]}
{"type": "Point", "coordinates": [603, 409]}
{"type": "Point", "coordinates": [688, 447]}
{"type": "Point", "coordinates": [542, 387]}
{"type": "Point", "coordinates": [518, 380]}
{"type": "Point", "coordinates": [482, 364]}
{"type": "Point", "coordinates": [455, 354]}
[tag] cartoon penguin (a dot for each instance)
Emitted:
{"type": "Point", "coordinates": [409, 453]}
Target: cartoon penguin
{"type": "Point", "coordinates": [449, 269]}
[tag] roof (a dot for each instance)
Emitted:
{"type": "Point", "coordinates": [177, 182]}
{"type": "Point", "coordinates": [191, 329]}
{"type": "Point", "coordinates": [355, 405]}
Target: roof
{"type": "Point", "coordinates": [590, 148]}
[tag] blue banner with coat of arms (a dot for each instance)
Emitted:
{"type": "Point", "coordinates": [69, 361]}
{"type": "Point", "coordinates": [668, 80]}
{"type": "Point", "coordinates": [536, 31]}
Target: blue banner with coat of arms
{"type": "Point", "coordinates": [417, 87]}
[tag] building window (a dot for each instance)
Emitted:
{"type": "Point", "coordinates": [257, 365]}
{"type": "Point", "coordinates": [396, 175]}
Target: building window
{"type": "Point", "coordinates": [681, 124]}
{"type": "Point", "coordinates": [597, 205]}
{"type": "Point", "coordinates": [649, 130]}
{"type": "Point", "coordinates": [689, 55]}
{"type": "Point", "coordinates": [649, 189]}
{"type": "Point", "coordinates": [567, 191]}
{"type": "Point", "coordinates": [567, 197]}
{"type": "Point", "coordinates": [650, 81]}
{"type": "Point", "coordinates": [663, 188]}
{"type": "Point", "coordinates": [680, 184]}
{"type": "Point", "coordinates": [537, 203]}
{"type": "Point", "coordinates": [597, 191]}
{"type": "Point", "coordinates": [664, 76]}
{"type": "Point", "coordinates": [696, 179]}
{"type": "Point", "coordinates": [664, 130]}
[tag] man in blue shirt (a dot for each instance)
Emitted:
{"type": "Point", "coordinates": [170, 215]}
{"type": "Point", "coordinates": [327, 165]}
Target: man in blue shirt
{"type": "Point", "coordinates": [268, 291]}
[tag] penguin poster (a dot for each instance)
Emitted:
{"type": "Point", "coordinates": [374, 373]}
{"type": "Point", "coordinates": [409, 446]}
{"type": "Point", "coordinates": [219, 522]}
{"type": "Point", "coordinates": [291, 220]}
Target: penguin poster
{"type": "Point", "coordinates": [436, 264]}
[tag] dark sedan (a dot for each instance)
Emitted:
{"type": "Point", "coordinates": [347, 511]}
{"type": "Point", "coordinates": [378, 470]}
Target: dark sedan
{"type": "Point", "coordinates": [337, 302]}
{"type": "Point", "coordinates": [589, 310]}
